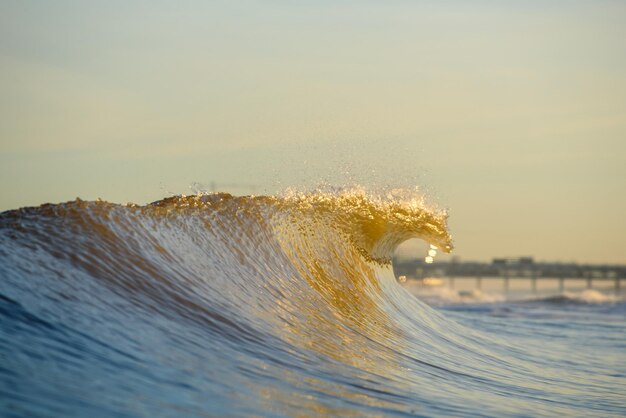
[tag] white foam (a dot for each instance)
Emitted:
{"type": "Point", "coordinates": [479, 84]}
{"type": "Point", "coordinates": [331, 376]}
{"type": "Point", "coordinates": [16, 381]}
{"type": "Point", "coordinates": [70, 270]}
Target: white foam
{"type": "Point", "coordinates": [590, 296]}
{"type": "Point", "coordinates": [443, 295]}
{"type": "Point", "coordinates": [440, 295]}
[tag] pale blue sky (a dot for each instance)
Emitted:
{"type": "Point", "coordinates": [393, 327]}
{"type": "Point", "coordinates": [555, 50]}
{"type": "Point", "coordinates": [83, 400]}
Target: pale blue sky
{"type": "Point", "coordinates": [510, 114]}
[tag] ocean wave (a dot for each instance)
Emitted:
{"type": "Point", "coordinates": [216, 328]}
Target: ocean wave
{"type": "Point", "coordinates": [442, 296]}
{"type": "Point", "coordinates": [272, 305]}
{"type": "Point", "coordinates": [587, 296]}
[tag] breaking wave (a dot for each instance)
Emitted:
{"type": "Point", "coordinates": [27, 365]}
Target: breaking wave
{"type": "Point", "coordinates": [587, 296]}
{"type": "Point", "coordinates": [223, 305]}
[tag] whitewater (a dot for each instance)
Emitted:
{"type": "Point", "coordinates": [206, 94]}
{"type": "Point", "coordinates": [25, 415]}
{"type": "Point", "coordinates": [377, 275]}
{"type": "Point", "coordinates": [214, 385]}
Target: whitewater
{"type": "Point", "coordinates": [276, 306]}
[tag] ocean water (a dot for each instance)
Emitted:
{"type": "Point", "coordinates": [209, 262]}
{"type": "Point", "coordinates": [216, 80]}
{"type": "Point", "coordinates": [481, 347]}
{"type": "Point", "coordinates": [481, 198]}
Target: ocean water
{"type": "Point", "coordinates": [214, 305]}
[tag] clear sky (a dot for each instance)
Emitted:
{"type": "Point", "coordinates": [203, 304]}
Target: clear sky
{"type": "Point", "coordinates": [510, 114]}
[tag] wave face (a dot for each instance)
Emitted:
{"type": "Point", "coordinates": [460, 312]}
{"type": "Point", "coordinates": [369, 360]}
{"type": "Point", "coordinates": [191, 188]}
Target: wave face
{"type": "Point", "coordinates": [236, 306]}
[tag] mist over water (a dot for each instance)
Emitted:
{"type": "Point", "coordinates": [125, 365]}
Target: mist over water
{"type": "Point", "coordinates": [276, 306]}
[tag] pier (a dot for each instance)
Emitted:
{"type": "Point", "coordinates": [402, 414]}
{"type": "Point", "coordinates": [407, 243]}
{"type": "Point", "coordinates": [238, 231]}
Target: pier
{"type": "Point", "coordinates": [509, 270]}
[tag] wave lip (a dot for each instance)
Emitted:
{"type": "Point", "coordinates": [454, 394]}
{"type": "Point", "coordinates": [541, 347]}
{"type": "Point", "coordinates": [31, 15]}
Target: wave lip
{"type": "Point", "coordinates": [377, 223]}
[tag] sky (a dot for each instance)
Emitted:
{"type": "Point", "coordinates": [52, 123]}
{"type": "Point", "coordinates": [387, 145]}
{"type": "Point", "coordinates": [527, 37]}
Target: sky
{"type": "Point", "coordinates": [511, 115]}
